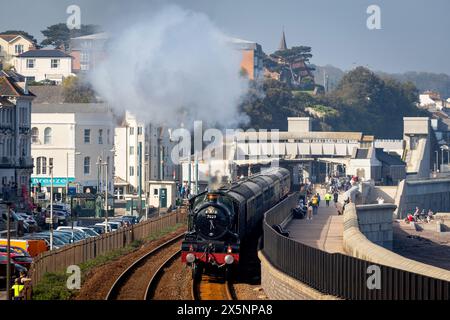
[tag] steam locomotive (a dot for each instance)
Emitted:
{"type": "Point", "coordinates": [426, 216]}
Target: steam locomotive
{"type": "Point", "coordinates": [220, 221]}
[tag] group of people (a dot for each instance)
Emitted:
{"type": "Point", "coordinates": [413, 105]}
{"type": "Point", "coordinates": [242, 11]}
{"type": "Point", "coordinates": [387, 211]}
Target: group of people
{"type": "Point", "coordinates": [420, 216]}
{"type": "Point", "coordinates": [19, 285]}
{"type": "Point", "coordinates": [311, 207]}
{"type": "Point", "coordinates": [184, 190]}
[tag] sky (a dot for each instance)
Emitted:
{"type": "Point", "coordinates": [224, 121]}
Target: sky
{"type": "Point", "coordinates": [413, 35]}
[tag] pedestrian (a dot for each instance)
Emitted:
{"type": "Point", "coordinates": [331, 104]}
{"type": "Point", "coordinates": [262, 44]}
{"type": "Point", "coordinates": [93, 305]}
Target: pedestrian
{"type": "Point", "coordinates": [335, 198]}
{"type": "Point", "coordinates": [315, 204]}
{"type": "Point", "coordinates": [17, 288]}
{"type": "Point", "coordinates": [318, 199]}
{"type": "Point", "coordinates": [309, 211]}
{"type": "Point", "coordinates": [328, 198]}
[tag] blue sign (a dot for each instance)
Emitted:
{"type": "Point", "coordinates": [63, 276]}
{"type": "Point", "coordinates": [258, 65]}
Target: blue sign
{"type": "Point", "coordinates": [46, 182]}
{"type": "Point", "coordinates": [72, 191]}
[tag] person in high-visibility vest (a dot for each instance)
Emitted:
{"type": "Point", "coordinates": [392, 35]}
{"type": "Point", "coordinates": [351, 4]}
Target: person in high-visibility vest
{"type": "Point", "coordinates": [17, 288]}
{"type": "Point", "coordinates": [328, 198]}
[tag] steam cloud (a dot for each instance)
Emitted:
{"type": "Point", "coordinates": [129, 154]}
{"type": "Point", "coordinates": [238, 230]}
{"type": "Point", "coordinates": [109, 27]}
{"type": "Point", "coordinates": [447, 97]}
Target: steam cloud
{"type": "Point", "coordinates": [174, 67]}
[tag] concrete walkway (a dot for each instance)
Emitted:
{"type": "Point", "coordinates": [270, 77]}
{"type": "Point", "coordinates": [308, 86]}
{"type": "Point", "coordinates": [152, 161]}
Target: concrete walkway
{"type": "Point", "coordinates": [324, 231]}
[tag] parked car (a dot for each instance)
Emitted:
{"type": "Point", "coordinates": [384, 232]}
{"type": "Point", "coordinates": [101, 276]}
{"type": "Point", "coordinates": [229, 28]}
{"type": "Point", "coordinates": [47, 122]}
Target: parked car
{"type": "Point", "coordinates": [29, 222]}
{"type": "Point", "coordinates": [130, 219]}
{"type": "Point", "coordinates": [111, 226]}
{"type": "Point", "coordinates": [88, 231]}
{"type": "Point", "coordinates": [18, 258]}
{"type": "Point", "coordinates": [16, 269]}
{"type": "Point", "coordinates": [62, 207]}
{"type": "Point", "coordinates": [100, 229]}
{"type": "Point", "coordinates": [75, 235]}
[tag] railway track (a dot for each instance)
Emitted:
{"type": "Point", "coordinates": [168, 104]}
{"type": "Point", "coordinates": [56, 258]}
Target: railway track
{"type": "Point", "coordinates": [212, 287]}
{"type": "Point", "coordinates": [127, 275]}
{"type": "Point", "coordinates": [153, 284]}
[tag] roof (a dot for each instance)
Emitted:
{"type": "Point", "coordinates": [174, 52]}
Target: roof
{"type": "Point", "coordinates": [10, 85]}
{"type": "Point", "coordinates": [45, 53]}
{"type": "Point", "coordinates": [11, 37]}
{"type": "Point", "coordinates": [71, 108]}
{"type": "Point", "coordinates": [47, 94]}
{"type": "Point", "coordinates": [285, 135]}
{"type": "Point", "coordinates": [362, 154]}
{"type": "Point", "coordinates": [94, 36]}
{"type": "Point", "coordinates": [282, 45]}
{"type": "Point", "coordinates": [118, 181]}
{"type": "Point", "coordinates": [388, 158]}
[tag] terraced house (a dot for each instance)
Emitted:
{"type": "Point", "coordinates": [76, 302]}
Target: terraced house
{"type": "Point", "coordinates": [16, 164]}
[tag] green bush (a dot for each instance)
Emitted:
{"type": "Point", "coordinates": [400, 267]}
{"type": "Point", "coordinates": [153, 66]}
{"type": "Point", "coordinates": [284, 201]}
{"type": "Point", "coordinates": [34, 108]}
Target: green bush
{"type": "Point", "coordinates": [52, 287]}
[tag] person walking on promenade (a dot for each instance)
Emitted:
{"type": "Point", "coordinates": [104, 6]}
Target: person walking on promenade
{"type": "Point", "coordinates": [315, 204]}
{"type": "Point", "coordinates": [335, 198]}
{"type": "Point", "coordinates": [309, 211]}
{"type": "Point", "coordinates": [328, 198]}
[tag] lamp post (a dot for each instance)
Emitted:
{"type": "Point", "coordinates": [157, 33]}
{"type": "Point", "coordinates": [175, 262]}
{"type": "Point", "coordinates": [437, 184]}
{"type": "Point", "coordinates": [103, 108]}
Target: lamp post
{"type": "Point", "coordinates": [437, 160]}
{"type": "Point", "coordinates": [67, 172]}
{"type": "Point", "coordinates": [51, 206]}
{"type": "Point", "coordinates": [8, 254]}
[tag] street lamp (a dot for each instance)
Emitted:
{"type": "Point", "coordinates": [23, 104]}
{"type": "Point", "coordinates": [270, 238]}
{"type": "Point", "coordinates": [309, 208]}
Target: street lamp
{"type": "Point", "coordinates": [51, 206]}
{"type": "Point", "coordinates": [437, 160]}
{"type": "Point", "coordinates": [67, 172]}
{"type": "Point", "coordinates": [444, 147]}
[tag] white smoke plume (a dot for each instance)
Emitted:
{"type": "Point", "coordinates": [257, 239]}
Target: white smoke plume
{"type": "Point", "coordinates": [173, 67]}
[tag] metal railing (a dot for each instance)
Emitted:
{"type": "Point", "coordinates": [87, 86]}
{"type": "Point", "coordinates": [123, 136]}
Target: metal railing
{"type": "Point", "coordinates": [341, 275]}
{"type": "Point", "coordinates": [74, 254]}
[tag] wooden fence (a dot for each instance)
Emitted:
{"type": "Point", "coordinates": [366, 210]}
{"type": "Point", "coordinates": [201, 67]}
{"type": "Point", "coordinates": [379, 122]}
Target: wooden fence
{"type": "Point", "coordinates": [79, 252]}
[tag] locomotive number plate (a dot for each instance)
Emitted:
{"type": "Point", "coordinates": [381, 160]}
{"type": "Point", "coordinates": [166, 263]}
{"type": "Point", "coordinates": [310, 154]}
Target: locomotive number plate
{"type": "Point", "coordinates": [210, 213]}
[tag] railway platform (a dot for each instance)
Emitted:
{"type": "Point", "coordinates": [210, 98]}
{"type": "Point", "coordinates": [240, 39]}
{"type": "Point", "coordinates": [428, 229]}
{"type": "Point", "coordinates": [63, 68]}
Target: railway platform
{"type": "Point", "coordinates": [324, 231]}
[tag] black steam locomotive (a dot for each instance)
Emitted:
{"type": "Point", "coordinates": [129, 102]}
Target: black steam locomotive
{"type": "Point", "coordinates": [221, 220]}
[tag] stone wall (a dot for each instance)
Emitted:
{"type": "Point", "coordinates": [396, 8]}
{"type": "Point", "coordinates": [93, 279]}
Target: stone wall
{"type": "Point", "coordinates": [279, 286]}
{"type": "Point", "coordinates": [357, 245]}
{"type": "Point", "coordinates": [426, 194]}
{"type": "Point", "coordinates": [375, 222]}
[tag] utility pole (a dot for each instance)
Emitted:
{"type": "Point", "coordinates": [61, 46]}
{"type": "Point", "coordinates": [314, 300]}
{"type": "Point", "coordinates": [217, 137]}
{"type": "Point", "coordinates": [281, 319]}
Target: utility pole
{"type": "Point", "coordinates": [106, 196]}
{"type": "Point", "coordinates": [196, 174]}
{"type": "Point", "coordinates": [140, 178]}
{"type": "Point", "coordinates": [8, 249]}
{"type": "Point", "coordinates": [51, 206]}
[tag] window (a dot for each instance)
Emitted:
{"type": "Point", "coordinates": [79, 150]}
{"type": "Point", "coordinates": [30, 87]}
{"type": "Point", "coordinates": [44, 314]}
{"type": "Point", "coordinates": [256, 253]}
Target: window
{"type": "Point", "coordinates": [131, 171]}
{"type": "Point", "coordinates": [41, 165]}
{"type": "Point", "coordinates": [131, 131]}
{"type": "Point", "coordinates": [38, 165]}
{"type": "Point", "coordinates": [48, 136]}
{"type": "Point", "coordinates": [100, 136]}
{"type": "Point", "coordinates": [18, 48]}
{"type": "Point", "coordinates": [31, 63]}
{"type": "Point", "coordinates": [155, 192]}
{"type": "Point", "coordinates": [87, 165]}
{"type": "Point", "coordinates": [35, 135]}
{"type": "Point", "coordinates": [55, 63]}
{"type": "Point", "coordinates": [131, 150]}
{"type": "Point", "coordinates": [107, 136]}
{"type": "Point", "coordinates": [50, 164]}
{"type": "Point", "coordinates": [87, 135]}
{"type": "Point", "coordinates": [139, 130]}
{"type": "Point", "coordinates": [84, 57]}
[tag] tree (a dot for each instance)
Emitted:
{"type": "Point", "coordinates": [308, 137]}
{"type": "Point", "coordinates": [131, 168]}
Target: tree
{"type": "Point", "coordinates": [58, 35]}
{"type": "Point", "coordinates": [23, 33]}
{"type": "Point", "coordinates": [75, 90]}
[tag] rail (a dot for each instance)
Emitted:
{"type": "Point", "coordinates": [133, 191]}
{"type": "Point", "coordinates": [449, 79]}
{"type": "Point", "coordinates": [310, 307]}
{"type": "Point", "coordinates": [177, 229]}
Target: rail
{"type": "Point", "coordinates": [115, 288]}
{"type": "Point", "coordinates": [77, 253]}
{"type": "Point", "coordinates": [341, 275]}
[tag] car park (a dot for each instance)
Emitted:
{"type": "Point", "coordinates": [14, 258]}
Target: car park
{"type": "Point", "coordinates": [18, 258]}
{"type": "Point", "coordinates": [100, 229]}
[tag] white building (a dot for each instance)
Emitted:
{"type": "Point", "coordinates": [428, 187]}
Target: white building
{"type": "Point", "coordinates": [15, 151]}
{"type": "Point", "coordinates": [38, 65]}
{"type": "Point", "coordinates": [72, 137]}
{"type": "Point", "coordinates": [139, 145]}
